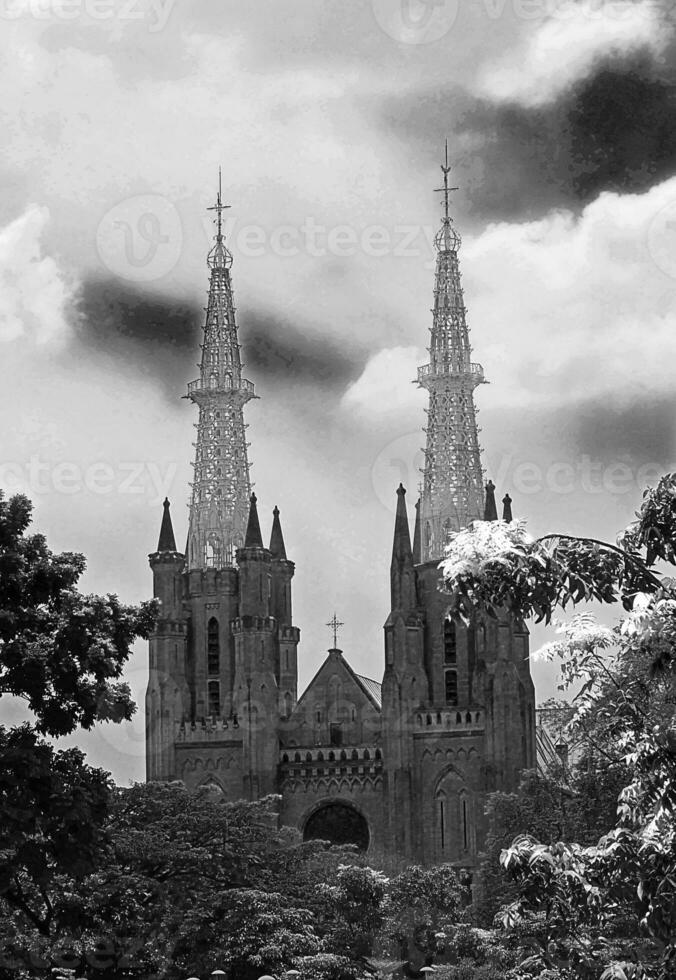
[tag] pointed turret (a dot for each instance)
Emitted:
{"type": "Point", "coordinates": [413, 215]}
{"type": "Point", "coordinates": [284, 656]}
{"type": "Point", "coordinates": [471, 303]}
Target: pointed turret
{"type": "Point", "coordinates": [507, 508]}
{"type": "Point", "coordinates": [401, 547]}
{"type": "Point", "coordinates": [277, 549]}
{"type": "Point", "coordinates": [402, 573]}
{"type": "Point", "coordinates": [490, 510]}
{"type": "Point", "coordinates": [221, 484]}
{"type": "Point", "coordinates": [167, 540]}
{"type": "Point", "coordinates": [254, 538]}
{"type": "Point", "coordinates": [417, 557]}
{"type": "Point", "coordinates": [452, 494]}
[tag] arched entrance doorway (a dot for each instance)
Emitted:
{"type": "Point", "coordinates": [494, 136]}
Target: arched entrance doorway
{"type": "Point", "coordinates": [338, 823]}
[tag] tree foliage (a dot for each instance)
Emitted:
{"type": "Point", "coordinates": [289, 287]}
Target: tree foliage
{"type": "Point", "coordinates": [608, 909]}
{"type": "Point", "coordinates": [63, 653]}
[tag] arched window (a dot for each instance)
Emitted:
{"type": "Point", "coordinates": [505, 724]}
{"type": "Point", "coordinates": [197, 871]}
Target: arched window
{"type": "Point", "coordinates": [428, 536]}
{"type": "Point", "coordinates": [214, 698]}
{"type": "Point", "coordinates": [451, 686]}
{"type": "Point", "coordinates": [441, 805]}
{"type": "Point", "coordinates": [450, 642]}
{"type": "Point", "coordinates": [464, 824]}
{"type": "Point", "coordinates": [213, 647]}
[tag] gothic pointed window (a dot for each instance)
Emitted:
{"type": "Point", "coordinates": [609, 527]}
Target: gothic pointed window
{"type": "Point", "coordinates": [213, 647]}
{"type": "Point", "coordinates": [441, 816]}
{"type": "Point", "coordinates": [451, 686]}
{"type": "Point", "coordinates": [450, 642]}
{"type": "Point", "coordinates": [464, 823]}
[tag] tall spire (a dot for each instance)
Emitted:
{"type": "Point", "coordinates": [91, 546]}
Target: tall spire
{"type": "Point", "coordinates": [221, 485]}
{"type": "Point", "coordinates": [452, 494]}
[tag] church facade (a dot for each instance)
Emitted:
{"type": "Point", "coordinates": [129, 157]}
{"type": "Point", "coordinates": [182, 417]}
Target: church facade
{"type": "Point", "coordinates": [400, 768]}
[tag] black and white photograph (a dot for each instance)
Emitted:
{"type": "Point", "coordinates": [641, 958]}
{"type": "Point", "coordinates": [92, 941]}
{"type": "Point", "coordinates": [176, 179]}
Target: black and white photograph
{"type": "Point", "coordinates": [338, 490]}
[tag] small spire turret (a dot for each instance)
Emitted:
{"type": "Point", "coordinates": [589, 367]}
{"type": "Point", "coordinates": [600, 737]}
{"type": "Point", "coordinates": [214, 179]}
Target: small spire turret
{"type": "Point", "coordinates": [401, 546]}
{"type": "Point", "coordinates": [490, 510]}
{"type": "Point", "coordinates": [507, 508]}
{"type": "Point", "coordinates": [417, 558]}
{"type": "Point", "coordinates": [167, 541]}
{"type": "Point", "coordinates": [254, 538]}
{"type": "Point", "coordinates": [402, 572]}
{"type": "Point", "coordinates": [277, 549]}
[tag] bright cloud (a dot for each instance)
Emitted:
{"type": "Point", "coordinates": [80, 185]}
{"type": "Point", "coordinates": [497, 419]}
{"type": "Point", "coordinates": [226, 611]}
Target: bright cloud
{"type": "Point", "coordinates": [34, 292]}
{"type": "Point", "coordinates": [558, 308]}
{"type": "Point", "coordinates": [384, 389]}
{"type": "Point", "coordinates": [565, 47]}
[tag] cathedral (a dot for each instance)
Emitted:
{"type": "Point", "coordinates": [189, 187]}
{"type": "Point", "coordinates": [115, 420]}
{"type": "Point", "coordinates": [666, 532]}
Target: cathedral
{"type": "Point", "coordinates": [399, 767]}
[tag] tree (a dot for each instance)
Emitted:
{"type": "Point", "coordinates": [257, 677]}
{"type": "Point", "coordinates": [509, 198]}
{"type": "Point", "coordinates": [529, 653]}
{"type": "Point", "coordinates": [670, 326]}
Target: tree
{"type": "Point", "coordinates": [354, 907]}
{"type": "Point", "coordinates": [422, 909]}
{"type": "Point", "coordinates": [588, 905]}
{"type": "Point", "coordinates": [63, 653]}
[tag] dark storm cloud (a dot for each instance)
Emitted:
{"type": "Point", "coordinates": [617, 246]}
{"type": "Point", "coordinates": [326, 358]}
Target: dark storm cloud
{"type": "Point", "coordinates": [114, 311]}
{"type": "Point", "coordinates": [160, 336]}
{"type": "Point", "coordinates": [150, 333]}
{"type": "Point", "coordinates": [277, 349]}
{"type": "Point", "coordinates": [615, 130]}
{"type": "Point", "coordinates": [643, 431]}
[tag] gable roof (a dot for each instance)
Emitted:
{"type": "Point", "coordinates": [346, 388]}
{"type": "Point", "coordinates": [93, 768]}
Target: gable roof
{"type": "Point", "coordinates": [371, 688]}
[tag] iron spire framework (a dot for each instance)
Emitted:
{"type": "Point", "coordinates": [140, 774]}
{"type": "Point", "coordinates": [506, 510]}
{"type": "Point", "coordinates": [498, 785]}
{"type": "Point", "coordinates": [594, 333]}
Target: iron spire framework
{"type": "Point", "coordinates": [221, 487]}
{"type": "Point", "coordinates": [452, 491]}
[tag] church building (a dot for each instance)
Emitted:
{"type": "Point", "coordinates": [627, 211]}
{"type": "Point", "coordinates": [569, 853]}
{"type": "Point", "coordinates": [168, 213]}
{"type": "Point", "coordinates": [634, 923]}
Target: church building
{"type": "Point", "coordinates": [400, 768]}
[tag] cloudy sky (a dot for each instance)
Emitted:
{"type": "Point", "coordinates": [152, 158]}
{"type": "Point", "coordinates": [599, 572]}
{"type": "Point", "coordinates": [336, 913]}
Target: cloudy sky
{"type": "Point", "coordinates": [329, 120]}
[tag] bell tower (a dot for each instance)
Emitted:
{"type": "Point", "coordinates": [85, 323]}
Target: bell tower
{"type": "Point", "coordinates": [452, 494]}
{"type": "Point", "coordinates": [458, 699]}
{"type": "Point", "coordinates": [223, 657]}
{"type": "Point", "coordinates": [221, 486]}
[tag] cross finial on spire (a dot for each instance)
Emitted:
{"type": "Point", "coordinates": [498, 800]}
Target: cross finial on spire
{"type": "Point", "coordinates": [445, 190]}
{"type": "Point", "coordinates": [335, 625]}
{"type": "Point", "coordinates": [219, 208]}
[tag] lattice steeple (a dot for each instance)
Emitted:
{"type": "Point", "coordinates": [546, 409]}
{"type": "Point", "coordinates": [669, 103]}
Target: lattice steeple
{"type": "Point", "coordinates": [221, 486]}
{"type": "Point", "coordinates": [452, 493]}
